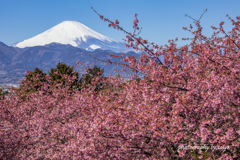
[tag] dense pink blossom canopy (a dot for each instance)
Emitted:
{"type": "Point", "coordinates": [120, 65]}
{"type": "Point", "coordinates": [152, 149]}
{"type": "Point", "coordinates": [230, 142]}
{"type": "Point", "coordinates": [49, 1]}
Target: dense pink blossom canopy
{"type": "Point", "coordinates": [190, 99]}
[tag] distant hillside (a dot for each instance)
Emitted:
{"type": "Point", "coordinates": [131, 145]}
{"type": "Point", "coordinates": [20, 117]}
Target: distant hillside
{"type": "Point", "coordinates": [15, 61]}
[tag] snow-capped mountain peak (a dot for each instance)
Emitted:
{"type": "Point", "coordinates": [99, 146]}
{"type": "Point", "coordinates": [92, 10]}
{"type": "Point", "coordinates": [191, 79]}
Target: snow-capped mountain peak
{"type": "Point", "coordinates": [75, 34]}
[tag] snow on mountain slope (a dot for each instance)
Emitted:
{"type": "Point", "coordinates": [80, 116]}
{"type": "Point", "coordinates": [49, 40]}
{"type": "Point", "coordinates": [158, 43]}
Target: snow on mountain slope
{"type": "Point", "coordinates": [75, 34]}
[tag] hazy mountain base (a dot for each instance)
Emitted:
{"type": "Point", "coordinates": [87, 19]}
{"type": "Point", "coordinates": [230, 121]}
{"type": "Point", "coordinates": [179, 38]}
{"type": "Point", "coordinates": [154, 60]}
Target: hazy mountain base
{"type": "Point", "coordinates": [16, 61]}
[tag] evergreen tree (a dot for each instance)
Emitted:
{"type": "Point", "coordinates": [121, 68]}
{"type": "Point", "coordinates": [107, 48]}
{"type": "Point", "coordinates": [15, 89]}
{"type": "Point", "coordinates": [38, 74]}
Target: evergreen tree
{"type": "Point", "coordinates": [30, 84]}
{"type": "Point", "coordinates": [90, 74]}
{"type": "Point", "coordinates": [2, 93]}
{"type": "Point", "coordinates": [63, 69]}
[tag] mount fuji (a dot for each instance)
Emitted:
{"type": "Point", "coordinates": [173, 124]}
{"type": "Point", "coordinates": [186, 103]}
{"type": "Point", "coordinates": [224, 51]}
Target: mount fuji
{"type": "Point", "coordinates": [75, 34]}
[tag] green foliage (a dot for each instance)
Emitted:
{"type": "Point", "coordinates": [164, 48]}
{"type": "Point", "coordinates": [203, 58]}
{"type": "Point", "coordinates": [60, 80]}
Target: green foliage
{"type": "Point", "coordinates": [63, 69]}
{"type": "Point", "coordinates": [90, 74]}
{"type": "Point", "coordinates": [34, 80]}
{"type": "Point", "coordinates": [41, 76]}
{"type": "Point", "coordinates": [3, 93]}
{"type": "Point", "coordinates": [31, 84]}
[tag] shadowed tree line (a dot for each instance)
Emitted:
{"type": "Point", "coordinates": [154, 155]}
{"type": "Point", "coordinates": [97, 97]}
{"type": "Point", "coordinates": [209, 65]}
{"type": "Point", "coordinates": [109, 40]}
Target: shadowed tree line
{"type": "Point", "coordinates": [56, 76]}
{"type": "Point", "coordinates": [59, 75]}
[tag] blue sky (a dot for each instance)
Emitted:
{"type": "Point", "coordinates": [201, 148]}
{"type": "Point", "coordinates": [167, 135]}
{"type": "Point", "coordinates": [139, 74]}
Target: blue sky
{"type": "Point", "coordinates": [160, 20]}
